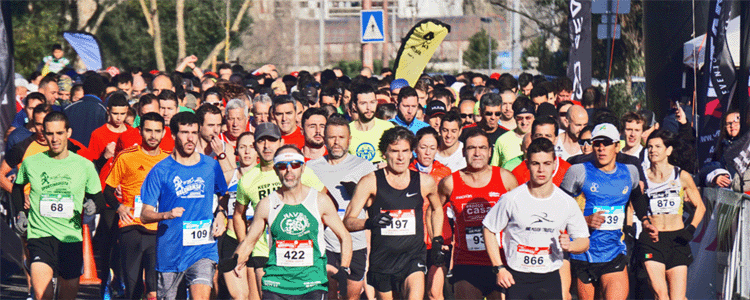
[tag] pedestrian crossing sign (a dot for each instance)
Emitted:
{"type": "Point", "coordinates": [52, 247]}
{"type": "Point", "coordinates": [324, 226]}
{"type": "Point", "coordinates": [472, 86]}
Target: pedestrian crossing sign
{"type": "Point", "coordinates": [371, 25]}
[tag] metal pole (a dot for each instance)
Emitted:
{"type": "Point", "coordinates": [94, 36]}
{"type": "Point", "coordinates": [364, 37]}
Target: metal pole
{"type": "Point", "coordinates": [516, 36]}
{"type": "Point", "coordinates": [385, 54]}
{"type": "Point", "coordinates": [296, 43]}
{"type": "Point", "coordinates": [321, 31]}
{"type": "Point", "coordinates": [608, 19]}
{"type": "Point", "coordinates": [367, 47]}
{"type": "Point", "coordinates": [489, 52]}
{"type": "Point", "coordinates": [394, 38]}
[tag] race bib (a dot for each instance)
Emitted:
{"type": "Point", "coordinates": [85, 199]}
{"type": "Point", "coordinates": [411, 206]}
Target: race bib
{"type": "Point", "coordinates": [342, 212]}
{"type": "Point", "coordinates": [533, 257]}
{"type": "Point", "coordinates": [664, 205]}
{"type": "Point", "coordinates": [404, 223]}
{"type": "Point", "coordinates": [614, 216]}
{"type": "Point", "coordinates": [475, 239]}
{"type": "Point", "coordinates": [231, 204]}
{"type": "Point", "coordinates": [56, 206]}
{"type": "Point", "coordinates": [196, 233]}
{"type": "Point", "coordinates": [294, 253]}
{"type": "Point", "coordinates": [137, 207]}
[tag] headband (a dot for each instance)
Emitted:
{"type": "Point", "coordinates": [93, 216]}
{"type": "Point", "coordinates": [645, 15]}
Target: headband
{"type": "Point", "coordinates": [288, 156]}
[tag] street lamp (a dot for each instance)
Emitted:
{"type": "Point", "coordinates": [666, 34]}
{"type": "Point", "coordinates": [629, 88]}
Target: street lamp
{"type": "Point", "coordinates": [489, 45]}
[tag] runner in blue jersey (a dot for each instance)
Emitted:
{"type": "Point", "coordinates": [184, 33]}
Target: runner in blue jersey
{"type": "Point", "coordinates": [605, 190]}
{"type": "Point", "coordinates": [178, 193]}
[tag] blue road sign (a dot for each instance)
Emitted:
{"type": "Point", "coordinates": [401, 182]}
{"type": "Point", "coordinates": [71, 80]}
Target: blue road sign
{"type": "Point", "coordinates": [371, 26]}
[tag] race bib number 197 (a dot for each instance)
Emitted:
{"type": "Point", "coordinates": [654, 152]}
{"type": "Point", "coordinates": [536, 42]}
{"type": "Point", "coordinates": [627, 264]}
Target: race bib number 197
{"type": "Point", "coordinates": [404, 223]}
{"type": "Point", "coordinates": [56, 206]}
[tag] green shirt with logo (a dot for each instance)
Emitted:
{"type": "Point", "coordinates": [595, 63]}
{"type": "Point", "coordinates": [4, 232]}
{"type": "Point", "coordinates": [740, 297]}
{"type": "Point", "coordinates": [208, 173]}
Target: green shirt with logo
{"type": "Point", "coordinates": [58, 188]}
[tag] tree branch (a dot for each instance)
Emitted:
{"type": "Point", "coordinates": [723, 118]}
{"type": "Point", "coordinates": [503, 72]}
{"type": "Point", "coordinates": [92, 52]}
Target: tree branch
{"type": "Point", "coordinates": [147, 14]}
{"type": "Point", "coordinates": [542, 25]}
{"type": "Point", "coordinates": [94, 28]}
{"type": "Point", "coordinates": [234, 29]}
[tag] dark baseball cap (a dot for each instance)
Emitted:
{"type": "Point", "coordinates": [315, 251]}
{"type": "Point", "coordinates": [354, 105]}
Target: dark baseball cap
{"type": "Point", "coordinates": [267, 129]}
{"type": "Point", "coordinates": [311, 94]}
{"type": "Point", "coordinates": [434, 108]}
{"type": "Point", "coordinates": [528, 108]}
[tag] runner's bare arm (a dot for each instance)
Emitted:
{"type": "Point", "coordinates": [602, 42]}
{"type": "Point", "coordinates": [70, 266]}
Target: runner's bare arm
{"type": "Point", "coordinates": [331, 218]}
{"type": "Point", "coordinates": [693, 197]}
{"type": "Point", "coordinates": [239, 222]}
{"type": "Point", "coordinates": [254, 232]}
{"type": "Point", "coordinates": [429, 188]}
{"type": "Point", "coordinates": [445, 189]}
{"type": "Point", "coordinates": [363, 195]}
{"type": "Point", "coordinates": [149, 214]}
{"type": "Point", "coordinates": [509, 181]}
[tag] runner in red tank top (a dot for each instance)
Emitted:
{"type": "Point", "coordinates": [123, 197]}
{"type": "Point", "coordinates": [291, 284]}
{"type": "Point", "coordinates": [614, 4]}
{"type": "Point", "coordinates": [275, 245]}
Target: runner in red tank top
{"type": "Point", "coordinates": [471, 193]}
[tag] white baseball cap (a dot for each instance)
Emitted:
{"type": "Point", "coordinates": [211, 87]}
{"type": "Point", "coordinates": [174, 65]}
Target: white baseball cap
{"type": "Point", "coordinates": [605, 131]}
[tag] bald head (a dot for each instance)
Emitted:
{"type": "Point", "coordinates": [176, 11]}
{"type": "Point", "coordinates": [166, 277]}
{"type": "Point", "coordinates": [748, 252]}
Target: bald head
{"type": "Point", "coordinates": [526, 142]}
{"type": "Point", "coordinates": [577, 119]}
{"type": "Point", "coordinates": [162, 82]}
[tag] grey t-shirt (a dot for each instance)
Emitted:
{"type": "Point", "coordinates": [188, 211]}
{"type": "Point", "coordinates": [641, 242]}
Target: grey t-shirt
{"type": "Point", "coordinates": [337, 178]}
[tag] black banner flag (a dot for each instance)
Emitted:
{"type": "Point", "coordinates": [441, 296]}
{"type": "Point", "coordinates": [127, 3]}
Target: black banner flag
{"type": "Point", "coordinates": [719, 82]}
{"type": "Point", "coordinates": [579, 60]}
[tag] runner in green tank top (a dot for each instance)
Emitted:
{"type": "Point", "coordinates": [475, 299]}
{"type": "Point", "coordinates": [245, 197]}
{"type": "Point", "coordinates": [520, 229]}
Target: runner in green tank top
{"type": "Point", "coordinates": [296, 215]}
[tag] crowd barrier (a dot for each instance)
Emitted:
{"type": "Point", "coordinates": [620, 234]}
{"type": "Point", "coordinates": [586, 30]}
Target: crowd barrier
{"type": "Point", "coordinates": [721, 248]}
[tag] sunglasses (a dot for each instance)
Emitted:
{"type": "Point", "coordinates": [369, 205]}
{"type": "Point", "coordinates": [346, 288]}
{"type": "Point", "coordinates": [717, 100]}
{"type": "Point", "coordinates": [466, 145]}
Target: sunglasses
{"type": "Point", "coordinates": [605, 143]}
{"type": "Point", "coordinates": [218, 103]}
{"type": "Point", "coordinates": [584, 142]}
{"type": "Point", "coordinates": [282, 166]}
{"type": "Point", "coordinates": [563, 114]}
{"type": "Point", "coordinates": [527, 118]}
{"type": "Point", "coordinates": [464, 116]}
{"type": "Point", "coordinates": [489, 113]}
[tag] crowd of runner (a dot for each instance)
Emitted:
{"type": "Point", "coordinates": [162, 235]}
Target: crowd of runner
{"type": "Point", "coordinates": [253, 184]}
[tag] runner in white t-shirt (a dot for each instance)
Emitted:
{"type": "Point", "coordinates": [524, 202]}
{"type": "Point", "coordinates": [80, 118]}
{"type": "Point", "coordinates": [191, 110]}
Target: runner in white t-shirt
{"type": "Point", "coordinates": [533, 218]}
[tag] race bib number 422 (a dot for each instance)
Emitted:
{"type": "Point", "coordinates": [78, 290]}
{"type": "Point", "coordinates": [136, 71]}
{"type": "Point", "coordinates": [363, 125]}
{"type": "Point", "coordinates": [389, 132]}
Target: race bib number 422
{"type": "Point", "coordinates": [294, 253]}
{"type": "Point", "coordinates": [404, 223]}
{"type": "Point", "coordinates": [56, 206]}
{"type": "Point", "coordinates": [196, 233]}
{"type": "Point", "coordinates": [614, 217]}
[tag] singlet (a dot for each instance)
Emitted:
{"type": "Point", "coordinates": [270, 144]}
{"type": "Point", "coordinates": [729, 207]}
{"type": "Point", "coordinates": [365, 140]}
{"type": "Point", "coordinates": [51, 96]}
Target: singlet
{"type": "Point", "coordinates": [297, 258]}
{"type": "Point", "coordinates": [608, 192]}
{"type": "Point", "coordinates": [393, 247]}
{"type": "Point", "coordinates": [365, 143]}
{"type": "Point", "coordinates": [455, 161]}
{"type": "Point", "coordinates": [531, 228]}
{"type": "Point", "coordinates": [471, 205]}
{"type": "Point", "coordinates": [665, 198]}
{"type": "Point", "coordinates": [232, 203]}
{"type": "Point", "coordinates": [560, 148]}
{"type": "Point", "coordinates": [438, 171]}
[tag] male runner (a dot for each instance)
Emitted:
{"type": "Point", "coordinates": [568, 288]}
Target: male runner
{"type": "Point", "coordinates": [259, 183]}
{"type": "Point", "coordinates": [313, 125]}
{"type": "Point", "coordinates": [340, 172]}
{"type": "Point", "coordinates": [210, 142]}
{"type": "Point", "coordinates": [60, 182]}
{"type": "Point", "coordinates": [284, 112]}
{"type": "Point", "coordinates": [608, 188]}
{"type": "Point", "coordinates": [508, 145]}
{"type": "Point", "coordinates": [471, 192]}
{"type": "Point", "coordinates": [577, 119]}
{"type": "Point", "coordinates": [367, 129]}
{"type": "Point", "coordinates": [450, 150]}
{"type": "Point", "coordinates": [182, 187]}
{"type": "Point", "coordinates": [533, 219]}
{"type": "Point", "coordinates": [137, 240]}
{"type": "Point", "coordinates": [394, 198]}
{"type": "Point", "coordinates": [296, 215]}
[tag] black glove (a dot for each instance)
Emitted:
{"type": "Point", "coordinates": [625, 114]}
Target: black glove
{"type": "Point", "coordinates": [438, 256]}
{"type": "Point", "coordinates": [227, 264]}
{"type": "Point", "coordinates": [629, 231]}
{"type": "Point", "coordinates": [686, 234]}
{"type": "Point", "coordinates": [22, 223]}
{"type": "Point", "coordinates": [341, 277]}
{"type": "Point", "coordinates": [380, 220]}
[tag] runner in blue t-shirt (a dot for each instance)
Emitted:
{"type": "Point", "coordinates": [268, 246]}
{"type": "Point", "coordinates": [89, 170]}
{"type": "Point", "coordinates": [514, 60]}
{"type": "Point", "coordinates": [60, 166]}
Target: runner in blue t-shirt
{"type": "Point", "coordinates": [178, 193]}
{"type": "Point", "coordinates": [605, 189]}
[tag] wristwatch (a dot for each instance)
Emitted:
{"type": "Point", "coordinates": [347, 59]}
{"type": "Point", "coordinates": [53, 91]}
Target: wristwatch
{"type": "Point", "coordinates": [222, 155]}
{"type": "Point", "coordinates": [496, 269]}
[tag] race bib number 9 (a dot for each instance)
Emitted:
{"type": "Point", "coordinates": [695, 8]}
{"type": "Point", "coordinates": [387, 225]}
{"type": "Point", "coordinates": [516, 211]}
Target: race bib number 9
{"type": "Point", "coordinates": [294, 253]}
{"type": "Point", "coordinates": [665, 205]}
{"type": "Point", "coordinates": [533, 257]}
{"type": "Point", "coordinates": [404, 223]}
{"type": "Point", "coordinates": [56, 206]}
{"type": "Point", "coordinates": [614, 217]}
{"type": "Point", "coordinates": [475, 239]}
{"type": "Point", "coordinates": [196, 233]}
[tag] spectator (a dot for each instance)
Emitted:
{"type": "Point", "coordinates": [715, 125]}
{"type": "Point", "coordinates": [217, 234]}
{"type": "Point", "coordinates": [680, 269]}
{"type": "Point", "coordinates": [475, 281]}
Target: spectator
{"type": "Point", "coordinates": [89, 106]}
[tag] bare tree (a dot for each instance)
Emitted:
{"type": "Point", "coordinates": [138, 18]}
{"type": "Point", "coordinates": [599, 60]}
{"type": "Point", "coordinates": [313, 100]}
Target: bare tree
{"type": "Point", "coordinates": [181, 44]}
{"type": "Point", "coordinates": [91, 13]}
{"type": "Point", "coordinates": [154, 30]}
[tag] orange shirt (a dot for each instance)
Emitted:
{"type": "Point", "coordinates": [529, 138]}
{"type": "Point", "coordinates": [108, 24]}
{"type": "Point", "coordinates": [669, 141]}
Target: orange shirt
{"type": "Point", "coordinates": [133, 137]}
{"type": "Point", "coordinates": [129, 171]}
{"type": "Point", "coordinates": [521, 172]}
{"type": "Point", "coordinates": [438, 172]}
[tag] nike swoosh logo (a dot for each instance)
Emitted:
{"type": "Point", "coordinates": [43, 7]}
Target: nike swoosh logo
{"type": "Point", "coordinates": [420, 265]}
{"type": "Point", "coordinates": [410, 195]}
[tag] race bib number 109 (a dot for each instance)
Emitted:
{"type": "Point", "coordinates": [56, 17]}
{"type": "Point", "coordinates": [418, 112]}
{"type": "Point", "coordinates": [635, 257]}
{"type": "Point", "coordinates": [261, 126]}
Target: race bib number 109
{"type": "Point", "coordinates": [196, 233]}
